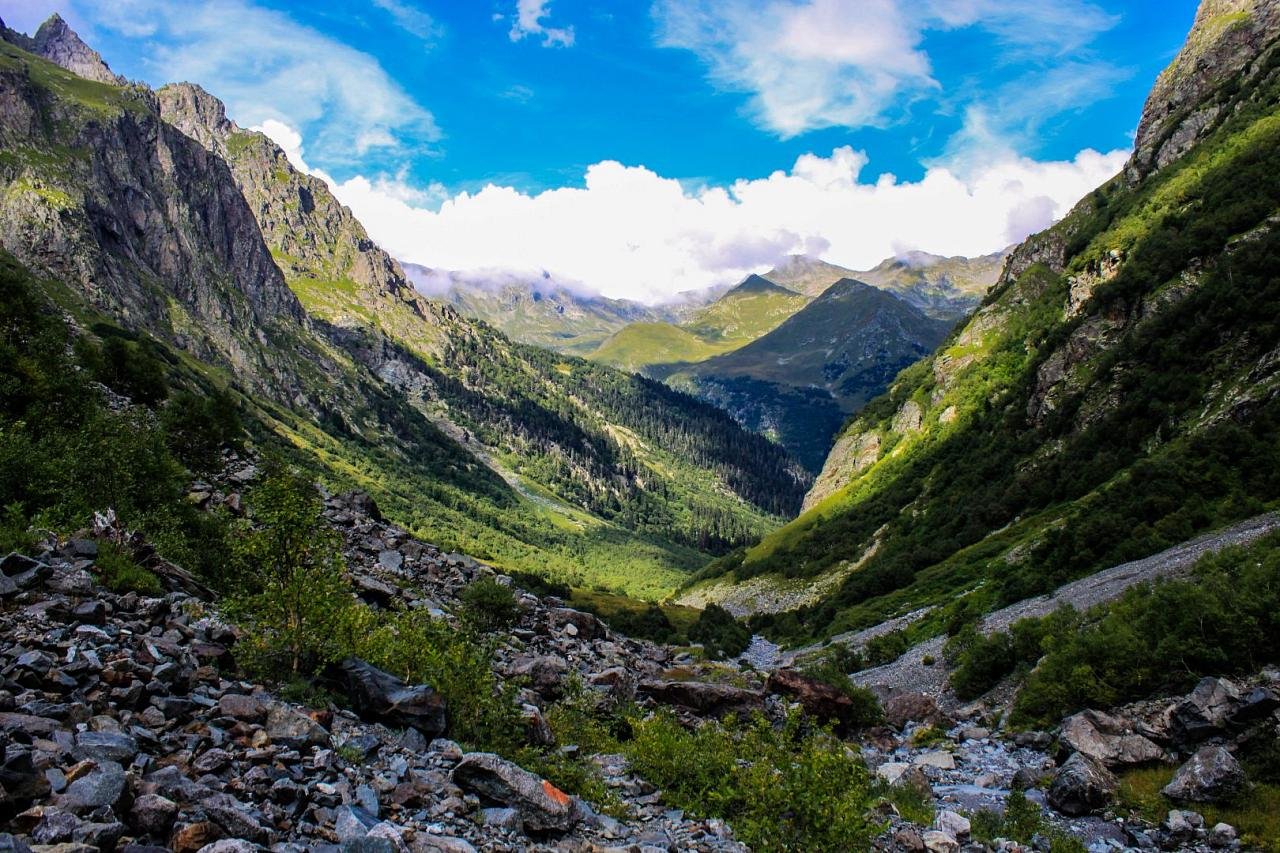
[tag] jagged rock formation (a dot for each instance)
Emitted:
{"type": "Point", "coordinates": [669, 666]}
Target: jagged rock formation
{"type": "Point", "coordinates": [58, 43]}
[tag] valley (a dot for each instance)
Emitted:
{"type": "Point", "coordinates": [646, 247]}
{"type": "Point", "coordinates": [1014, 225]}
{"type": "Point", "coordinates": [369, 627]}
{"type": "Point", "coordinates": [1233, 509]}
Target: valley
{"type": "Point", "coordinates": [303, 547]}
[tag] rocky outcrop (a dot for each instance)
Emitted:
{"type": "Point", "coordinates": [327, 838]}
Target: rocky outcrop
{"type": "Point", "coordinates": [1226, 43]}
{"type": "Point", "coordinates": [540, 805]}
{"type": "Point", "coordinates": [853, 453]}
{"type": "Point", "coordinates": [58, 43]}
{"type": "Point", "coordinates": [1108, 740]}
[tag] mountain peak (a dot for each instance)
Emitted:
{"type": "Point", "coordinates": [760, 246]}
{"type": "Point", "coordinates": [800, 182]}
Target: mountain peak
{"type": "Point", "coordinates": [1224, 41]}
{"type": "Point", "coordinates": [196, 113]}
{"type": "Point", "coordinates": [58, 43]}
{"type": "Point", "coordinates": [758, 284]}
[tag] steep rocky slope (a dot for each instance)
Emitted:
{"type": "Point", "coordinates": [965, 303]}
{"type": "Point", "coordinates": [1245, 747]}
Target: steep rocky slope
{"type": "Point", "coordinates": [161, 216]}
{"type": "Point", "coordinates": [1113, 395]}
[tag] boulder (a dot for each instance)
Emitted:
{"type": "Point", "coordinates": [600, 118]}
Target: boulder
{"type": "Point", "coordinates": [1211, 775]}
{"type": "Point", "coordinates": [152, 814]}
{"type": "Point", "coordinates": [1206, 711]}
{"type": "Point", "coordinates": [1107, 739]}
{"type": "Point", "coordinates": [545, 674]}
{"type": "Point", "coordinates": [1081, 785]}
{"type": "Point", "coordinates": [903, 708]}
{"type": "Point", "coordinates": [379, 695]}
{"type": "Point", "coordinates": [242, 707]}
{"type": "Point", "coordinates": [106, 746]}
{"type": "Point", "coordinates": [542, 806]}
{"type": "Point", "coordinates": [717, 700]}
{"type": "Point", "coordinates": [819, 699]}
{"type": "Point", "coordinates": [289, 726]}
{"type": "Point", "coordinates": [586, 626]}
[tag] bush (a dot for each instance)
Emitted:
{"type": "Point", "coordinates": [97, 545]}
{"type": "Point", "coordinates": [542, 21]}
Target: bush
{"type": "Point", "coordinates": [198, 427]}
{"type": "Point", "coordinates": [1160, 638]}
{"type": "Point", "coordinates": [720, 634]}
{"type": "Point", "coordinates": [790, 788]}
{"type": "Point", "coordinates": [1022, 821]}
{"type": "Point", "coordinates": [489, 605]}
{"type": "Point", "coordinates": [886, 648]}
{"type": "Point", "coordinates": [121, 574]}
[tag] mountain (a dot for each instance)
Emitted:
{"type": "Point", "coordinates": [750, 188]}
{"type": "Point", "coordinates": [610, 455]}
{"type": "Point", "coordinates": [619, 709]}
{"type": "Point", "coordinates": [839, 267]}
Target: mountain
{"type": "Point", "coordinates": [752, 308]}
{"type": "Point", "coordinates": [807, 275]}
{"type": "Point", "coordinates": [1116, 393]}
{"type": "Point", "coordinates": [945, 288]}
{"type": "Point", "coordinates": [152, 220]}
{"type": "Point", "coordinates": [799, 382]}
{"type": "Point", "coordinates": [533, 311]}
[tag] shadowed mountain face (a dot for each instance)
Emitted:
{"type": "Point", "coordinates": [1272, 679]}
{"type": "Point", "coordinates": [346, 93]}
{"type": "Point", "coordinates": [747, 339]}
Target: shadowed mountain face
{"type": "Point", "coordinates": [800, 381]}
{"type": "Point", "coordinates": [153, 212]}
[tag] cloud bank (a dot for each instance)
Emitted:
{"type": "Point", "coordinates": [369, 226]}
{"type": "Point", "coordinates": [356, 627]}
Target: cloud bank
{"type": "Point", "coordinates": [631, 233]}
{"type": "Point", "coordinates": [855, 63]}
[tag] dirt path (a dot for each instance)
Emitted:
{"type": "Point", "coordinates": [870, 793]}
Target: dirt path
{"type": "Point", "coordinates": [910, 672]}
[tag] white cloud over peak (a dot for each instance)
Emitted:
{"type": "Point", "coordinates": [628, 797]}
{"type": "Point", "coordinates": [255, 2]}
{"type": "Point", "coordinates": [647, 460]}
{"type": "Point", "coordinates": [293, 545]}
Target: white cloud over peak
{"type": "Point", "coordinates": [811, 64]}
{"type": "Point", "coordinates": [632, 233]}
{"type": "Point", "coordinates": [348, 107]}
{"type": "Point", "coordinates": [528, 21]}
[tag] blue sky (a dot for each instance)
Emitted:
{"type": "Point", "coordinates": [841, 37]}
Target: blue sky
{"type": "Point", "coordinates": [412, 108]}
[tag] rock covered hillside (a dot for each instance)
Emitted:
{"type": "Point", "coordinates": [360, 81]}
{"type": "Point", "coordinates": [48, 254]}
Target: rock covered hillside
{"type": "Point", "coordinates": [1113, 395]}
{"type": "Point", "coordinates": [153, 212]}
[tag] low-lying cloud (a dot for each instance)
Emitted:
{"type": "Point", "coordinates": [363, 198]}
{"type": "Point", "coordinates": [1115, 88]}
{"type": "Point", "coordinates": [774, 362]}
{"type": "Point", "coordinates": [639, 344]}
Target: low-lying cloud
{"type": "Point", "coordinates": [631, 233]}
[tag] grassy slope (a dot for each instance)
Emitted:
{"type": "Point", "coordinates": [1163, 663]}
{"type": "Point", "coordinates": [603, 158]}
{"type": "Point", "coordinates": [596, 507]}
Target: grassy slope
{"type": "Point", "coordinates": [735, 319]}
{"type": "Point", "coordinates": [961, 503]}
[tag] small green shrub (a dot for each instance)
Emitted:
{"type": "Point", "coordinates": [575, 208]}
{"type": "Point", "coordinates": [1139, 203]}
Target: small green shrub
{"type": "Point", "coordinates": [489, 605]}
{"type": "Point", "coordinates": [1022, 821]}
{"type": "Point", "coordinates": [197, 428]}
{"type": "Point", "coordinates": [720, 634]}
{"type": "Point", "coordinates": [829, 669]}
{"type": "Point", "coordinates": [121, 574]}
{"type": "Point", "coordinates": [928, 736]}
{"type": "Point", "coordinates": [886, 648]}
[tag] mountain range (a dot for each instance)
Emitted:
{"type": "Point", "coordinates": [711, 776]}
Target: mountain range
{"type": "Point", "coordinates": [1114, 394]}
{"type": "Point", "coordinates": [151, 215]}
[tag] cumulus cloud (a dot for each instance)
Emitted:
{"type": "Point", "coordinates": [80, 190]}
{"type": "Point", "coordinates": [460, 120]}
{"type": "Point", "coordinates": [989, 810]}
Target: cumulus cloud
{"type": "Point", "coordinates": [528, 21]}
{"type": "Point", "coordinates": [853, 63]}
{"type": "Point", "coordinates": [632, 233]}
{"type": "Point", "coordinates": [342, 100]}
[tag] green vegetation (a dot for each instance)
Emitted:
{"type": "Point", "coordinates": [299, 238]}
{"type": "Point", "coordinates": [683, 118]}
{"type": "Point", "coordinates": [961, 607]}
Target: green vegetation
{"type": "Point", "coordinates": [1256, 815]}
{"type": "Point", "coordinates": [100, 99]}
{"type": "Point", "coordinates": [720, 634]}
{"type": "Point", "coordinates": [833, 670]}
{"type": "Point", "coordinates": [119, 573]}
{"type": "Point", "coordinates": [1147, 441]}
{"type": "Point", "coordinates": [1156, 639]}
{"type": "Point", "coordinates": [1022, 821]}
{"type": "Point", "coordinates": [489, 605]}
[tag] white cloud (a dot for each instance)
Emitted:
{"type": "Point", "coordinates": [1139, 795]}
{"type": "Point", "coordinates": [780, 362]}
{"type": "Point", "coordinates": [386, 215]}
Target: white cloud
{"type": "Point", "coordinates": [267, 66]}
{"type": "Point", "coordinates": [810, 64]}
{"type": "Point", "coordinates": [528, 21]}
{"type": "Point", "coordinates": [411, 19]}
{"type": "Point", "coordinates": [636, 234]}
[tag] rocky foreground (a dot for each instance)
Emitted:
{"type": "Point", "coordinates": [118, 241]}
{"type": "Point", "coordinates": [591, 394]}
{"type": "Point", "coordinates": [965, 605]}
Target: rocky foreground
{"type": "Point", "coordinates": [125, 726]}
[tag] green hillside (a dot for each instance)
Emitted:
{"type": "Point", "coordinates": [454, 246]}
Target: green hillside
{"type": "Point", "coordinates": [752, 309]}
{"type": "Point", "coordinates": [1115, 393]}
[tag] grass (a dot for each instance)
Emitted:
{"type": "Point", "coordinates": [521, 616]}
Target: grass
{"type": "Point", "coordinates": [121, 574]}
{"type": "Point", "coordinates": [1256, 816]}
{"type": "Point", "coordinates": [100, 98]}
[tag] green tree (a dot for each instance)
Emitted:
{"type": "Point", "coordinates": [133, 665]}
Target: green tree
{"type": "Point", "coordinates": [291, 595]}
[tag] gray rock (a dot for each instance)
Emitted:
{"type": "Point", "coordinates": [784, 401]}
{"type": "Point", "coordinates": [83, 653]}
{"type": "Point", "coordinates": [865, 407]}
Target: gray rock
{"type": "Point", "coordinates": [152, 814]}
{"type": "Point", "coordinates": [103, 786]}
{"type": "Point", "coordinates": [541, 805]}
{"type": "Point", "coordinates": [235, 818]}
{"type": "Point", "coordinates": [291, 727]}
{"type": "Point", "coordinates": [1107, 739]}
{"type": "Point", "coordinates": [1206, 710]}
{"type": "Point", "coordinates": [379, 695]}
{"type": "Point", "coordinates": [106, 746]}
{"type": "Point", "coordinates": [1210, 776]}
{"type": "Point", "coordinates": [1081, 785]}
{"type": "Point", "coordinates": [230, 845]}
